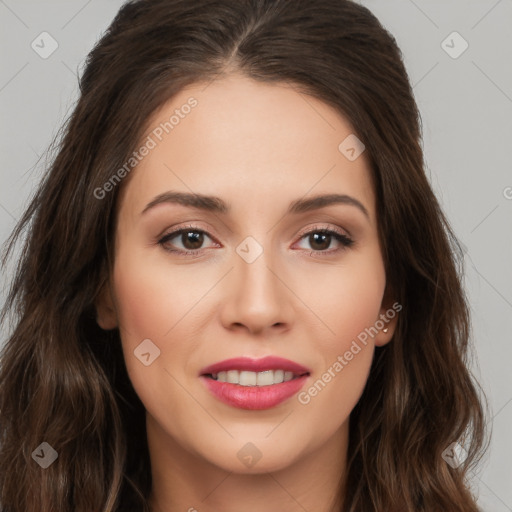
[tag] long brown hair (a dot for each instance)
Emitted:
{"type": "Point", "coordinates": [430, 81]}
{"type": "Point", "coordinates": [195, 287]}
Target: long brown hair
{"type": "Point", "coordinates": [63, 380]}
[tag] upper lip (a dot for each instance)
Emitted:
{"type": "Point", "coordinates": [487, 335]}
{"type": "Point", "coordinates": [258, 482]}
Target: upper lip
{"type": "Point", "coordinates": [255, 365]}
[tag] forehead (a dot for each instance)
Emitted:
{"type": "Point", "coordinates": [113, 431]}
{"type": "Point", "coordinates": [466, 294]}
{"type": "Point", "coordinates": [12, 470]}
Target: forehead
{"type": "Point", "coordinates": [250, 142]}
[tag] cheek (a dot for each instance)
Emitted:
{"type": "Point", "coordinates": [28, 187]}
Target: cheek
{"type": "Point", "coordinates": [330, 398]}
{"type": "Point", "coordinates": [145, 312]}
{"type": "Point", "coordinates": [350, 310]}
{"type": "Point", "coordinates": [157, 303]}
{"type": "Point", "coordinates": [346, 359]}
{"type": "Point", "coordinates": [138, 304]}
{"type": "Point", "coordinates": [347, 300]}
{"type": "Point", "coordinates": [150, 298]}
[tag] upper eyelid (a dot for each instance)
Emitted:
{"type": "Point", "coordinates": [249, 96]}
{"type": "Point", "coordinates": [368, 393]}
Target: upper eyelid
{"type": "Point", "coordinates": [318, 227]}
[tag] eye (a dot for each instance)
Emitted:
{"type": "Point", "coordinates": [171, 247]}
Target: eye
{"type": "Point", "coordinates": [190, 237]}
{"type": "Point", "coordinates": [320, 240]}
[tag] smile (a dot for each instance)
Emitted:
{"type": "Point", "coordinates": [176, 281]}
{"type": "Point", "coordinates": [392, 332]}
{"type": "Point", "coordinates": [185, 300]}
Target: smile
{"type": "Point", "coordinates": [254, 384]}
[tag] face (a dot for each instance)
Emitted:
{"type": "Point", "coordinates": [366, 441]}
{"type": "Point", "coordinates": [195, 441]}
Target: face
{"type": "Point", "coordinates": [267, 273]}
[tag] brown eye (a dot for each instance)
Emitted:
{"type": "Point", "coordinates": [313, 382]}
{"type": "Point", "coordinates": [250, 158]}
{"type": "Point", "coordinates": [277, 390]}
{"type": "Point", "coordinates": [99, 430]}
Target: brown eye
{"type": "Point", "coordinates": [321, 239]}
{"type": "Point", "coordinates": [191, 240]}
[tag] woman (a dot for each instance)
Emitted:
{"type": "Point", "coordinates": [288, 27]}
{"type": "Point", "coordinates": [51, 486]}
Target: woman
{"type": "Point", "coordinates": [237, 289]}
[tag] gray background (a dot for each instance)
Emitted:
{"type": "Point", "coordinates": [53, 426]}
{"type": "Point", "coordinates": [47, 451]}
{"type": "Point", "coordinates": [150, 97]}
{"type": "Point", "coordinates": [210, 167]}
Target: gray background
{"type": "Point", "coordinates": [466, 107]}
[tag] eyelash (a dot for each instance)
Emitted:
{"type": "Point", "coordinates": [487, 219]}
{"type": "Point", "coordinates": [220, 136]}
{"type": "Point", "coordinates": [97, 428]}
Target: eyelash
{"type": "Point", "coordinates": [345, 240]}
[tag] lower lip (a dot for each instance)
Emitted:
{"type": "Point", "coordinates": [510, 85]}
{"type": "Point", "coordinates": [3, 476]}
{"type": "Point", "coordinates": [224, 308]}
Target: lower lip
{"type": "Point", "coordinates": [254, 397]}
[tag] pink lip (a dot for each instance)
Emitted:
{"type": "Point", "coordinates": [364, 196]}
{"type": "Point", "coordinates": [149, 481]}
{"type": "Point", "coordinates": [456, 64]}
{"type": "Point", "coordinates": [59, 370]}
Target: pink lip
{"type": "Point", "coordinates": [256, 365]}
{"type": "Point", "coordinates": [255, 397]}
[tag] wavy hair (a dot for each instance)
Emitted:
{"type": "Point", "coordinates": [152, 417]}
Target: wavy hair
{"type": "Point", "coordinates": [63, 380]}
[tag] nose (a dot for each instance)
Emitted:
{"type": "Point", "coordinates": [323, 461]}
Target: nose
{"type": "Point", "coordinates": [257, 297]}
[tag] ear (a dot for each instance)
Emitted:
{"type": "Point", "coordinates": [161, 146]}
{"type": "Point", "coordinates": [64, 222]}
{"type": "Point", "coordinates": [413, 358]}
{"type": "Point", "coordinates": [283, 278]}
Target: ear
{"type": "Point", "coordinates": [106, 315]}
{"type": "Point", "coordinates": [388, 318]}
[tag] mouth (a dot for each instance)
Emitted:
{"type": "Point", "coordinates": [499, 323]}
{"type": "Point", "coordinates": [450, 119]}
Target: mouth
{"type": "Point", "coordinates": [259, 379]}
{"type": "Point", "coordinates": [254, 384]}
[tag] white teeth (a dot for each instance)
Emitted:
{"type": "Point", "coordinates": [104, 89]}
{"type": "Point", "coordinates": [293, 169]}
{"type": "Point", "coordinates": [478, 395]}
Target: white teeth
{"type": "Point", "coordinates": [264, 378]}
{"type": "Point", "coordinates": [245, 378]}
{"type": "Point", "coordinates": [232, 376]}
{"type": "Point", "coordinates": [288, 376]}
{"type": "Point", "coordinates": [278, 376]}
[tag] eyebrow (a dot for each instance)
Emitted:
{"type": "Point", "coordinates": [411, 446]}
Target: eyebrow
{"type": "Point", "coordinates": [217, 205]}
